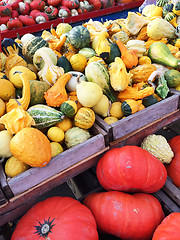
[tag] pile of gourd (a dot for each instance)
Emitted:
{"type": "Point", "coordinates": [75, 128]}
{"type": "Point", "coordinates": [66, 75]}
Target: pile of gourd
{"type": "Point", "coordinates": [53, 85]}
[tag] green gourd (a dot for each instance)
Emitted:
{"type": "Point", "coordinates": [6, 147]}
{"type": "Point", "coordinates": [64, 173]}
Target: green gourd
{"type": "Point", "coordinates": [45, 116]}
{"type": "Point", "coordinates": [75, 136]}
{"type": "Point", "coordinates": [150, 100]}
{"type": "Point", "coordinates": [64, 63]}
{"type": "Point", "coordinates": [37, 89]}
{"type": "Point", "coordinates": [79, 37]}
{"type": "Point", "coordinates": [31, 46]}
{"type": "Point", "coordinates": [69, 108]}
{"type": "Point", "coordinates": [161, 54]}
{"type": "Point", "coordinates": [172, 77]}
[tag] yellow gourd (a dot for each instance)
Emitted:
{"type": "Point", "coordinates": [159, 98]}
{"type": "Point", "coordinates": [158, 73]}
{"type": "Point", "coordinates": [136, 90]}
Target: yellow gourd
{"type": "Point", "coordinates": [110, 120]}
{"type": "Point", "coordinates": [17, 119]}
{"type": "Point", "coordinates": [25, 100]}
{"type": "Point", "coordinates": [115, 110]}
{"type": "Point", "coordinates": [7, 90]}
{"type": "Point", "coordinates": [65, 124]}
{"type": "Point", "coordinates": [78, 62]}
{"type": "Point", "coordinates": [12, 61]}
{"type": "Point", "coordinates": [16, 80]}
{"type": "Point", "coordinates": [14, 167]}
{"type": "Point", "coordinates": [2, 107]}
{"type": "Point", "coordinates": [55, 134]}
{"type": "Point", "coordinates": [119, 78]}
{"type": "Point", "coordinates": [141, 73]}
{"type": "Point", "coordinates": [84, 118]}
{"type": "Point", "coordinates": [31, 146]}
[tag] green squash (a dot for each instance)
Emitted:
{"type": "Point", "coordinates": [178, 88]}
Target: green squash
{"type": "Point", "coordinates": [167, 8]}
{"type": "Point", "coordinates": [68, 108]}
{"type": "Point", "coordinates": [172, 77]}
{"type": "Point", "coordinates": [150, 100]}
{"type": "Point", "coordinates": [37, 90]}
{"type": "Point", "coordinates": [45, 116]}
{"type": "Point", "coordinates": [31, 46]}
{"type": "Point", "coordinates": [79, 37]}
{"type": "Point", "coordinates": [114, 52]}
{"type": "Point", "coordinates": [65, 64]}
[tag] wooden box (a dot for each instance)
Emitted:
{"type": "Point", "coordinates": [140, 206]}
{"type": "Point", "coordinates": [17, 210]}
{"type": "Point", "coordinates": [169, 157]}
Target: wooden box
{"type": "Point", "coordinates": [139, 119]}
{"type": "Point", "coordinates": [67, 159]}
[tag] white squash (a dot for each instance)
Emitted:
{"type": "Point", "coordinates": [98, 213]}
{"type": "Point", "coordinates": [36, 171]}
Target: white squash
{"type": "Point", "coordinates": [71, 84]}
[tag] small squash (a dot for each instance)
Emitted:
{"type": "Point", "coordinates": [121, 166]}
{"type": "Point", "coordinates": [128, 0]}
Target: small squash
{"type": "Point", "coordinates": [129, 56]}
{"type": "Point", "coordinates": [37, 90]}
{"type": "Point", "coordinates": [7, 90]}
{"type": "Point", "coordinates": [141, 73]}
{"type": "Point", "coordinates": [57, 94]}
{"type": "Point", "coordinates": [17, 119]}
{"type": "Point", "coordinates": [78, 62]}
{"type": "Point", "coordinates": [14, 167]}
{"type": "Point", "coordinates": [84, 118]}
{"type": "Point", "coordinates": [75, 136]}
{"type": "Point", "coordinates": [69, 108]}
{"type": "Point", "coordinates": [31, 146]}
{"type": "Point", "coordinates": [25, 100]}
{"type": "Point", "coordinates": [16, 80]}
{"type": "Point", "coordinates": [130, 106]}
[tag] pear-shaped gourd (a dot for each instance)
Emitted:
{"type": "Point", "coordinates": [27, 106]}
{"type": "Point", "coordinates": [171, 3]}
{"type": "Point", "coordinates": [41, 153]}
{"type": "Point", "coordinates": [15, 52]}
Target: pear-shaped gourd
{"type": "Point", "coordinates": [102, 107]}
{"type": "Point", "coordinates": [88, 93]}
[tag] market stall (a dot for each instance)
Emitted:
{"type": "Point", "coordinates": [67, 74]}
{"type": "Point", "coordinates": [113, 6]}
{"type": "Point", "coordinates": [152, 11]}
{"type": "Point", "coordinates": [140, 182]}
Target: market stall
{"type": "Point", "coordinates": [77, 88]}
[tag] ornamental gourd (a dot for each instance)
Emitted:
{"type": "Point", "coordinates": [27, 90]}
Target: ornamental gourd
{"type": "Point", "coordinates": [173, 168]}
{"type": "Point", "coordinates": [84, 118]}
{"type": "Point", "coordinates": [31, 146]}
{"type": "Point", "coordinates": [79, 37]}
{"type": "Point", "coordinates": [118, 170]}
{"type": "Point", "coordinates": [124, 215]}
{"type": "Point", "coordinates": [58, 217]}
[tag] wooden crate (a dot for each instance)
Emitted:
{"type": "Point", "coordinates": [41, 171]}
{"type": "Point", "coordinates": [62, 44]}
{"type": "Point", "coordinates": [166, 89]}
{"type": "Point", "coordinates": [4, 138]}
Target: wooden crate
{"type": "Point", "coordinates": [140, 119]}
{"type": "Point", "coordinates": [34, 176]}
{"type": "Point", "coordinates": [3, 199]}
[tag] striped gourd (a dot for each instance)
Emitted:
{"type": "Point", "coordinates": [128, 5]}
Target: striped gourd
{"type": "Point", "coordinates": [45, 116]}
{"type": "Point", "coordinates": [31, 46]}
{"type": "Point", "coordinates": [87, 52]}
{"type": "Point", "coordinates": [96, 72]}
{"type": "Point", "coordinates": [68, 108]}
{"type": "Point", "coordinates": [79, 37]}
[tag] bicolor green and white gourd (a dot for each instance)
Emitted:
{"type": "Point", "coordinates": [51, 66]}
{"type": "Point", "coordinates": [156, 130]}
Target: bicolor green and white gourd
{"type": "Point", "coordinates": [45, 116]}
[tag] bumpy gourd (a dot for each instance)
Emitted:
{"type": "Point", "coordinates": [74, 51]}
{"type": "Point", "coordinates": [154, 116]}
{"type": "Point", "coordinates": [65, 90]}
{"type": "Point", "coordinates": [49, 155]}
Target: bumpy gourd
{"type": "Point", "coordinates": [57, 94]}
{"type": "Point", "coordinates": [119, 78]}
{"type": "Point", "coordinates": [158, 146]}
{"type": "Point", "coordinates": [75, 136]}
{"type": "Point", "coordinates": [25, 100]}
{"type": "Point", "coordinates": [84, 118]}
{"type": "Point", "coordinates": [50, 72]}
{"type": "Point", "coordinates": [142, 72]}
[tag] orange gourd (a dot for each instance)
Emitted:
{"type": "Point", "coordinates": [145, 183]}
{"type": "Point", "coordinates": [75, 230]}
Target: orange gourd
{"type": "Point", "coordinates": [129, 56]}
{"type": "Point", "coordinates": [57, 94]}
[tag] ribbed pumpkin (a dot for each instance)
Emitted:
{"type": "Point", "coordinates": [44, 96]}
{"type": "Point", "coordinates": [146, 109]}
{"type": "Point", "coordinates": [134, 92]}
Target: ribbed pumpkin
{"type": "Point", "coordinates": [32, 147]}
{"type": "Point", "coordinates": [84, 118]}
{"type": "Point", "coordinates": [79, 37]}
{"type": "Point", "coordinates": [69, 108]}
{"type": "Point", "coordinates": [31, 46]}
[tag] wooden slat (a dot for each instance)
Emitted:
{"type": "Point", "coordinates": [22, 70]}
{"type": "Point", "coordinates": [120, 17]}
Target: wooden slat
{"type": "Point", "coordinates": [136, 137]}
{"type": "Point", "coordinates": [172, 191]}
{"type": "Point", "coordinates": [19, 204]}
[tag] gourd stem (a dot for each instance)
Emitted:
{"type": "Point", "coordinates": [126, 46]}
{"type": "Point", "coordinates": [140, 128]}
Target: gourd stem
{"type": "Point", "coordinates": [2, 159]}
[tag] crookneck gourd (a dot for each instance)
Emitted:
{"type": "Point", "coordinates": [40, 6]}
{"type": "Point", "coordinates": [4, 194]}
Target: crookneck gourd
{"type": "Point", "coordinates": [25, 100]}
{"type": "Point", "coordinates": [50, 72]}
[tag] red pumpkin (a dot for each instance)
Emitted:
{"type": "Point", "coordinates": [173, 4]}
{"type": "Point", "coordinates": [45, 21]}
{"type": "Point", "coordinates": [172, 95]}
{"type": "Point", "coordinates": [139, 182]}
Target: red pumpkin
{"type": "Point", "coordinates": [173, 168]}
{"type": "Point", "coordinates": [131, 217]}
{"type": "Point", "coordinates": [57, 218]}
{"type": "Point", "coordinates": [70, 3]}
{"type": "Point", "coordinates": [169, 229]}
{"type": "Point", "coordinates": [131, 169]}
{"type": "Point", "coordinates": [96, 4]}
